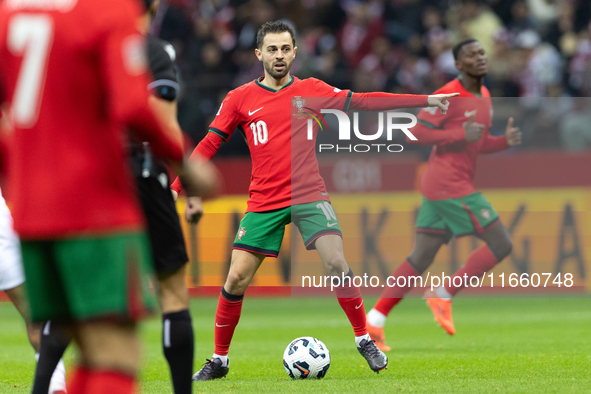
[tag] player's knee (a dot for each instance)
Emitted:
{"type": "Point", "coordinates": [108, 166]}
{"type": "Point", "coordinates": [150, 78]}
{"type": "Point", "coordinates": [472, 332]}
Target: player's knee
{"type": "Point", "coordinates": [173, 301]}
{"type": "Point", "coordinates": [34, 334]}
{"type": "Point", "coordinates": [174, 295]}
{"type": "Point", "coordinates": [420, 264]}
{"type": "Point", "coordinates": [336, 265]}
{"type": "Point", "coordinates": [237, 282]}
{"type": "Point", "coordinates": [421, 259]}
{"type": "Point", "coordinates": [506, 248]}
{"type": "Point", "coordinates": [502, 247]}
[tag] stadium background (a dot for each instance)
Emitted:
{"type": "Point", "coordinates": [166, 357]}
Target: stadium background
{"type": "Point", "coordinates": [536, 48]}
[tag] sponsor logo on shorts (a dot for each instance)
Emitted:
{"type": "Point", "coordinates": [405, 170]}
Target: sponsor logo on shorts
{"type": "Point", "coordinates": [485, 213]}
{"type": "Point", "coordinates": [241, 233]}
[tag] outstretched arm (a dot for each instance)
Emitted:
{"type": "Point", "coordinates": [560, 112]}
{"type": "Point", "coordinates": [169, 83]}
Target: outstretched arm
{"type": "Point", "coordinates": [427, 134]}
{"type": "Point", "coordinates": [204, 151]}
{"type": "Point", "coordinates": [370, 102]}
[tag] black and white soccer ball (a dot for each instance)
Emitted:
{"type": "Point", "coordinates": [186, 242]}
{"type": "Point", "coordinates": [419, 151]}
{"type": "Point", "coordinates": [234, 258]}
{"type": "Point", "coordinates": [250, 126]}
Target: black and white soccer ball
{"type": "Point", "coordinates": [306, 358]}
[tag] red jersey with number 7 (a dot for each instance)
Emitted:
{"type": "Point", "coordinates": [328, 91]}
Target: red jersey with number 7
{"type": "Point", "coordinates": [73, 73]}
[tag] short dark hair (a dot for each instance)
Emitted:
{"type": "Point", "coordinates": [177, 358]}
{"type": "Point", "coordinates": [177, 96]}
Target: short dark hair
{"type": "Point", "coordinates": [274, 27]}
{"type": "Point", "coordinates": [458, 47]}
{"type": "Point", "coordinates": [148, 4]}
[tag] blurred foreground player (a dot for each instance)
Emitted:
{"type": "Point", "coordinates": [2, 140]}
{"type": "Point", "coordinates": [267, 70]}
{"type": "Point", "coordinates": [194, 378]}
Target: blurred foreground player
{"type": "Point", "coordinates": [283, 190]}
{"type": "Point", "coordinates": [164, 230]}
{"type": "Point", "coordinates": [451, 204]}
{"type": "Point", "coordinates": [85, 252]}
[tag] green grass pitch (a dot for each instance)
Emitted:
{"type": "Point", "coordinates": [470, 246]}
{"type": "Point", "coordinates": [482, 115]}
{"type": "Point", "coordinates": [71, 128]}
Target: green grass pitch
{"type": "Point", "coordinates": [502, 345]}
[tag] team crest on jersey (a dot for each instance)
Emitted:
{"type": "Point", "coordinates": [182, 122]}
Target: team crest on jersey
{"type": "Point", "coordinates": [299, 103]}
{"type": "Point", "coordinates": [241, 233]}
{"type": "Point", "coordinates": [485, 213]}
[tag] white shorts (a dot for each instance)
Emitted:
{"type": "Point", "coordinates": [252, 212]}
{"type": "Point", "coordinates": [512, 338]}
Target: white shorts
{"type": "Point", "coordinates": [11, 264]}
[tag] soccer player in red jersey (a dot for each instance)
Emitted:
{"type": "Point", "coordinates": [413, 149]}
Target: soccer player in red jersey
{"type": "Point", "coordinates": [84, 248]}
{"type": "Point", "coordinates": [262, 111]}
{"type": "Point", "coordinates": [451, 204]}
{"type": "Point", "coordinates": [164, 230]}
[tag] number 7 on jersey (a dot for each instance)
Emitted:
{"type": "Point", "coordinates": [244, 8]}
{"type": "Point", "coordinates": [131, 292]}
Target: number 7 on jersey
{"type": "Point", "coordinates": [29, 36]}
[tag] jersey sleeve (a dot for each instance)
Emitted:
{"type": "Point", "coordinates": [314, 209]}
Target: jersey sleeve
{"type": "Point", "coordinates": [333, 97]}
{"type": "Point", "coordinates": [346, 100]}
{"type": "Point", "coordinates": [122, 57]}
{"type": "Point", "coordinates": [432, 129]}
{"type": "Point", "coordinates": [220, 130]}
{"type": "Point", "coordinates": [432, 118]}
{"type": "Point", "coordinates": [493, 144]}
{"type": "Point", "coordinates": [161, 57]}
{"type": "Point", "coordinates": [227, 118]}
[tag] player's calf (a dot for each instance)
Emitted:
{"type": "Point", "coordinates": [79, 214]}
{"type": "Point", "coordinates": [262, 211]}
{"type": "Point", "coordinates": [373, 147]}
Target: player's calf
{"type": "Point", "coordinates": [178, 344]}
{"type": "Point", "coordinates": [50, 373]}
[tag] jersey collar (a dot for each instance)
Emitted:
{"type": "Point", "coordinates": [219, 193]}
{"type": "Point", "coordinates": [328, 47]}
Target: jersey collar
{"type": "Point", "coordinates": [258, 82]}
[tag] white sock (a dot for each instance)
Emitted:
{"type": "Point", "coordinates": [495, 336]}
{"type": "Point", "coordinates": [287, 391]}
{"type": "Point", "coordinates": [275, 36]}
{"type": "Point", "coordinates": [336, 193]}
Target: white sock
{"type": "Point", "coordinates": [376, 318]}
{"type": "Point", "coordinates": [58, 379]}
{"type": "Point", "coordinates": [225, 360]}
{"type": "Point", "coordinates": [361, 338]}
{"type": "Point", "coordinates": [442, 293]}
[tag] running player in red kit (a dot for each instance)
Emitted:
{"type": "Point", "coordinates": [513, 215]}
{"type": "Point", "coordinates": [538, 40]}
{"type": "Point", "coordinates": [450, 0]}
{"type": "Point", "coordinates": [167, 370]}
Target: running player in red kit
{"type": "Point", "coordinates": [73, 75]}
{"type": "Point", "coordinates": [262, 111]}
{"type": "Point", "coordinates": [451, 204]}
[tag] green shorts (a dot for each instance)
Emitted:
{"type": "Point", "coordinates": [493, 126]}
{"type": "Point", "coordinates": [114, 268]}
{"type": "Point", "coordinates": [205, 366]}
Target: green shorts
{"type": "Point", "coordinates": [88, 277]}
{"type": "Point", "coordinates": [467, 215]}
{"type": "Point", "coordinates": [262, 232]}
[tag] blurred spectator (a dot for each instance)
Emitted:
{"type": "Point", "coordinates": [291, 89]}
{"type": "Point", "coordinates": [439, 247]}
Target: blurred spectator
{"type": "Point", "coordinates": [502, 67]}
{"type": "Point", "coordinates": [580, 66]}
{"type": "Point", "coordinates": [536, 48]}
{"type": "Point", "coordinates": [477, 21]}
{"type": "Point", "coordinates": [539, 65]}
{"type": "Point", "coordinates": [364, 24]}
{"type": "Point", "coordinates": [575, 132]}
{"type": "Point", "coordinates": [543, 13]}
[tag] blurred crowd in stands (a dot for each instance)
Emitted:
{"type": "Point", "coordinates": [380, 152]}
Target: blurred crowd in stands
{"type": "Point", "coordinates": [536, 48]}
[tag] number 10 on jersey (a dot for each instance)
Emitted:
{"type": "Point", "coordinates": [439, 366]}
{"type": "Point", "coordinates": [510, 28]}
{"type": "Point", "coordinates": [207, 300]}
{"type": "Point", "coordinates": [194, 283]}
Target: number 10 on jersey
{"type": "Point", "coordinates": [259, 132]}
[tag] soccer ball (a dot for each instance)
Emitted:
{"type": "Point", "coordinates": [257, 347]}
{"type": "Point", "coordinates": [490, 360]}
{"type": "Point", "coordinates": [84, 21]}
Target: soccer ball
{"type": "Point", "coordinates": [306, 358]}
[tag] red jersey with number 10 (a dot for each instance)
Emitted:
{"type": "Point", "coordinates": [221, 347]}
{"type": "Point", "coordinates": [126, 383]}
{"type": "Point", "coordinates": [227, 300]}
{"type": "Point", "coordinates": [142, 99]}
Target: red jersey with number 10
{"type": "Point", "coordinates": [284, 166]}
{"type": "Point", "coordinates": [264, 116]}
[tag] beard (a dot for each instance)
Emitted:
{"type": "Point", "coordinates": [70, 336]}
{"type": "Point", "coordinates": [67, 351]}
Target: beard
{"type": "Point", "coordinates": [277, 74]}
